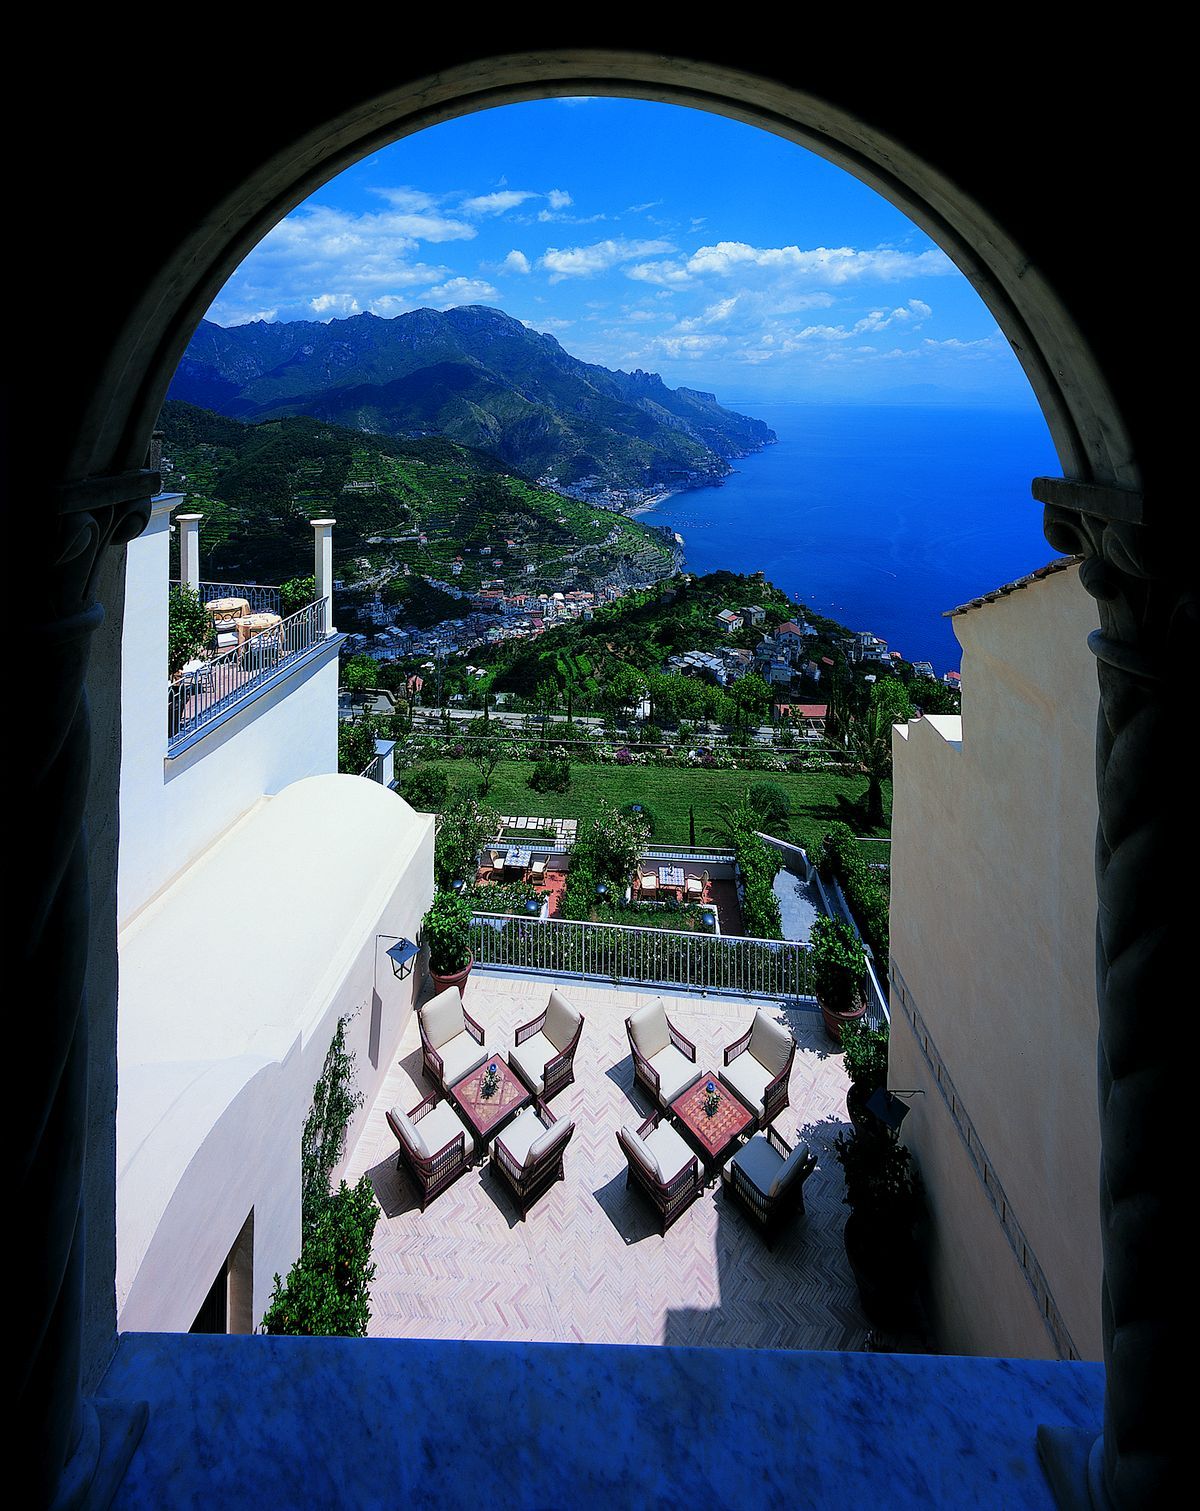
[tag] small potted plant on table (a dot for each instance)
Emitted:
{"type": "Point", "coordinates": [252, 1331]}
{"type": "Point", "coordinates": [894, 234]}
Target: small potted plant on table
{"type": "Point", "coordinates": [840, 968]}
{"type": "Point", "coordinates": [446, 929]}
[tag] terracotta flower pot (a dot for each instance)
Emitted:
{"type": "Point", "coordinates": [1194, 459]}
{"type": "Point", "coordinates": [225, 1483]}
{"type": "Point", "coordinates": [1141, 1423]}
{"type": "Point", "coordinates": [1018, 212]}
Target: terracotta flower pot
{"type": "Point", "coordinates": [834, 1020]}
{"type": "Point", "coordinates": [458, 979]}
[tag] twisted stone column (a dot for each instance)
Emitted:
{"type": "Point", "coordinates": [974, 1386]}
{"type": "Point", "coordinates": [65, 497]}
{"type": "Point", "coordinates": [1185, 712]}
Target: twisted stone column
{"type": "Point", "coordinates": [1147, 799]}
{"type": "Point", "coordinates": [68, 1442]}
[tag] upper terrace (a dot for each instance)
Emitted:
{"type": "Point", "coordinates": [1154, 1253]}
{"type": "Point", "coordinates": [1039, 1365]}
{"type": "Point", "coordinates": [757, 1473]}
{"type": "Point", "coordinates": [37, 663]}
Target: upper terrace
{"type": "Point", "coordinates": [252, 637]}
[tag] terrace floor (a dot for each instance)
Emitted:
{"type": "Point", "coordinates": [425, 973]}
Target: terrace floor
{"type": "Point", "coordinates": [589, 1264]}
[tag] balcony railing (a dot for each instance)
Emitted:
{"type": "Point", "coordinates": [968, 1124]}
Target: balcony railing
{"type": "Point", "coordinates": [775, 968]}
{"type": "Point", "coordinates": [261, 596]}
{"type": "Point", "coordinates": [218, 685]}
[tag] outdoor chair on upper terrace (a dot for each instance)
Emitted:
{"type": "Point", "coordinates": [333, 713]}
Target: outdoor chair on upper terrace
{"type": "Point", "coordinates": [529, 1153]}
{"type": "Point", "coordinates": [767, 1177]}
{"type": "Point", "coordinates": [663, 1166]}
{"type": "Point", "coordinates": [435, 1145]}
{"type": "Point", "coordinates": [451, 1040]}
{"type": "Point", "coordinates": [647, 883]}
{"type": "Point", "coordinates": [663, 1060]}
{"type": "Point", "coordinates": [757, 1067]}
{"type": "Point", "coordinates": [544, 1054]}
{"type": "Point", "coordinates": [697, 886]}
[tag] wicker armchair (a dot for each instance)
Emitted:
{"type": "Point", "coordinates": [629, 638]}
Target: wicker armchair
{"type": "Point", "coordinates": [697, 886]}
{"type": "Point", "coordinates": [663, 1060]}
{"type": "Point", "coordinates": [435, 1145]}
{"type": "Point", "coordinates": [529, 1153]}
{"type": "Point", "coordinates": [451, 1040]}
{"type": "Point", "coordinates": [767, 1176]}
{"type": "Point", "coordinates": [663, 1166]}
{"type": "Point", "coordinates": [757, 1067]}
{"type": "Point", "coordinates": [544, 1054]}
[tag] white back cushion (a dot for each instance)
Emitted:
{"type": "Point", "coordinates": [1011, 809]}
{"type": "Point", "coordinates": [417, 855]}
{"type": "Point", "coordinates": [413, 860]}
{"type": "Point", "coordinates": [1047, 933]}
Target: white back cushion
{"type": "Point", "coordinates": [649, 1028]}
{"type": "Point", "coordinates": [411, 1132]}
{"type": "Point", "coordinates": [645, 1156]}
{"type": "Point", "coordinates": [791, 1167]}
{"type": "Point", "coordinates": [557, 1132]}
{"type": "Point", "coordinates": [561, 1021]}
{"type": "Point", "coordinates": [770, 1042]}
{"type": "Point", "coordinates": [443, 1017]}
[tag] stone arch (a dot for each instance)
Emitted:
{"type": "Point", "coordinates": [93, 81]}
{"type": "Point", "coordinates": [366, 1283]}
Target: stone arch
{"type": "Point", "coordinates": [1086, 426]}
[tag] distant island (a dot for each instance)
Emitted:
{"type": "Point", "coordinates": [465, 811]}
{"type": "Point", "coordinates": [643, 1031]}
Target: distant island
{"type": "Point", "coordinates": [476, 376]}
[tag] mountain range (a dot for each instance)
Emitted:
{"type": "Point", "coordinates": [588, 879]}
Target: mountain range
{"type": "Point", "coordinates": [476, 376]}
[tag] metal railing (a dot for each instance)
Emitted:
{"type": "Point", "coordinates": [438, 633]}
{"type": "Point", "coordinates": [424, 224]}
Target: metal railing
{"type": "Point", "coordinates": [219, 684]}
{"type": "Point", "coordinates": [262, 597]}
{"type": "Point", "coordinates": [373, 770]}
{"type": "Point", "coordinates": [775, 968]}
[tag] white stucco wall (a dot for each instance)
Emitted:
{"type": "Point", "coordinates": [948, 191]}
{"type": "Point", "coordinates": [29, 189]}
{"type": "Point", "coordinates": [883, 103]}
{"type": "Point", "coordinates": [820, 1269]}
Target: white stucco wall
{"type": "Point", "coordinates": [992, 934]}
{"type": "Point", "coordinates": [228, 1001]}
{"type": "Point", "coordinates": [171, 809]}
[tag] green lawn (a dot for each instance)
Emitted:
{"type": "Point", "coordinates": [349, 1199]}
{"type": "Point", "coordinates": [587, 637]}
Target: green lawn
{"type": "Point", "coordinates": [668, 792]}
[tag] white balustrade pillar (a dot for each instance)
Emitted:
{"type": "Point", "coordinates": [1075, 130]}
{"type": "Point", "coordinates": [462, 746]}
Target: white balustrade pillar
{"type": "Point", "coordinates": [189, 549]}
{"type": "Point", "coordinates": [323, 566]}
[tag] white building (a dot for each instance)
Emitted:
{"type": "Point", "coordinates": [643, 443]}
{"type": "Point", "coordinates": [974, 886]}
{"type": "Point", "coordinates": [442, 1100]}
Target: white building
{"type": "Point", "coordinates": [236, 821]}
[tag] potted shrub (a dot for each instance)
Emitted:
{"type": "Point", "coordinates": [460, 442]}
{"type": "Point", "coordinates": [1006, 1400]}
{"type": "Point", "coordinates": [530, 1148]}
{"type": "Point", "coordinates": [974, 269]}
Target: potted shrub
{"type": "Point", "coordinates": [883, 1194]}
{"type": "Point", "coordinates": [865, 1055]}
{"type": "Point", "coordinates": [446, 930]}
{"type": "Point", "coordinates": [840, 968]}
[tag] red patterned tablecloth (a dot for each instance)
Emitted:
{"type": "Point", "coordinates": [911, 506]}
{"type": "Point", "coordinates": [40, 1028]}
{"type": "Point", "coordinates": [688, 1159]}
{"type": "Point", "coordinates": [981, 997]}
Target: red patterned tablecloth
{"type": "Point", "coordinates": [714, 1134]}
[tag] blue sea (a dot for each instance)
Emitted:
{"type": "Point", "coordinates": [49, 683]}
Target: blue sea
{"type": "Point", "coordinates": [881, 518]}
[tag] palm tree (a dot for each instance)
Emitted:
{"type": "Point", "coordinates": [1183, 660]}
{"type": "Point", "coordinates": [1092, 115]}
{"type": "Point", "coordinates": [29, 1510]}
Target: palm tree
{"type": "Point", "coordinates": [869, 741]}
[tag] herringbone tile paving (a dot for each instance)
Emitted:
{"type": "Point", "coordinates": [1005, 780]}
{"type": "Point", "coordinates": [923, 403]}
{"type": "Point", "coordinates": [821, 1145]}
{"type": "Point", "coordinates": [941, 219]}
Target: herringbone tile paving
{"type": "Point", "coordinates": [589, 1264]}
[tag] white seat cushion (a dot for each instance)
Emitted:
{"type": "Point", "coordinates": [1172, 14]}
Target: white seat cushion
{"type": "Point", "coordinates": [770, 1043]}
{"type": "Point", "coordinates": [675, 1073]}
{"type": "Point", "coordinates": [671, 1154]}
{"type": "Point", "coordinates": [649, 883]}
{"type": "Point", "coordinates": [442, 1017]}
{"type": "Point", "coordinates": [561, 1021]}
{"type": "Point", "coordinates": [759, 1163]}
{"type": "Point", "coordinates": [649, 1028]}
{"type": "Point", "coordinates": [460, 1056]}
{"type": "Point", "coordinates": [532, 1056]}
{"type": "Point", "coordinates": [749, 1079]}
{"type": "Point", "coordinates": [789, 1169]}
{"type": "Point", "coordinates": [521, 1134]}
{"type": "Point", "coordinates": [438, 1127]}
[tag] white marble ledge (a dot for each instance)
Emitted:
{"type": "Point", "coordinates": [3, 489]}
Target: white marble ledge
{"type": "Point", "coordinates": [327, 1422]}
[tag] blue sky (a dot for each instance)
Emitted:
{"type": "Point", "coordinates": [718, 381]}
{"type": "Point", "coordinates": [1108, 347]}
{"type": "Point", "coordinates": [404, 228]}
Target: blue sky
{"type": "Point", "coordinates": [643, 235]}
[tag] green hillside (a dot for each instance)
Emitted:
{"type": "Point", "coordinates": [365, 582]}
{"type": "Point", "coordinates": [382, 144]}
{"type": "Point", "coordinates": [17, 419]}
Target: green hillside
{"type": "Point", "coordinates": [259, 485]}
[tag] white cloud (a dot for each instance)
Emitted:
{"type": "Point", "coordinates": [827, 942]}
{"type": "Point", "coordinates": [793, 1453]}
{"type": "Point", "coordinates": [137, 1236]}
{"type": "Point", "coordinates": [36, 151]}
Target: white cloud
{"type": "Point", "coordinates": [515, 262]}
{"type": "Point", "coordinates": [331, 305]}
{"type": "Point", "coordinates": [547, 325]}
{"type": "Point", "coordinates": [497, 203]}
{"type": "Point", "coordinates": [407, 198]}
{"type": "Point", "coordinates": [461, 291]}
{"type": "Point", "coordinates": [559, 199]}
{"type": "Point", "coordinates": [912, 314]}
{"type": "Point", "coordinates": [576, 99]}
{"type": "Point", "coordinates": [584, 262]}
{"type": "Point", "coordinates": [832, 266]}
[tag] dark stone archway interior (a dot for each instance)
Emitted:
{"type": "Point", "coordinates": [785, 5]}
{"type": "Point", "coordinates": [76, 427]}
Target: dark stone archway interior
{"type": "Point", "coordinates": [1029, 169]}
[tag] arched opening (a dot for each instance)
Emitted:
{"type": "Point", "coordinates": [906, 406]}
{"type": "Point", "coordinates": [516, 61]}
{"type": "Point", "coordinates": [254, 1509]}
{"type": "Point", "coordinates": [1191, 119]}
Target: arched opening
{"type": "Point", "coordinates": [1087, 430]}
{"type": "Point", "coordinates": [112, 402]}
